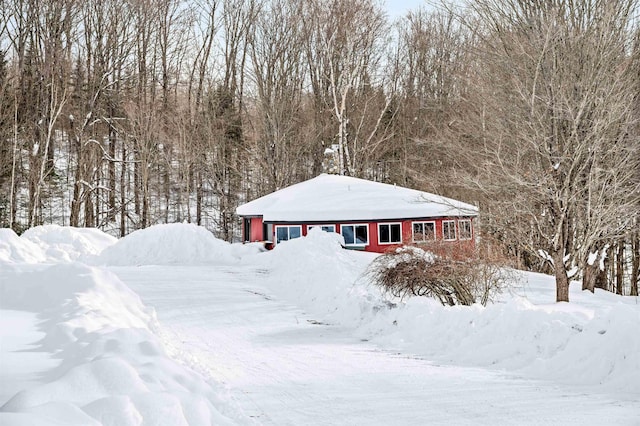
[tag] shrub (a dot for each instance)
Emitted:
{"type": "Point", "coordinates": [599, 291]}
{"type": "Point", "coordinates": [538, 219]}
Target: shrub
{"type": "Point", "coordinates": [447, 275]}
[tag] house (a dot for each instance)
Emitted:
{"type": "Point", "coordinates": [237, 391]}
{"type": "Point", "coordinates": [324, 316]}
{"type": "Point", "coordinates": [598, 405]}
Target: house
{"type": "Point", "coordinates": [371, 216]}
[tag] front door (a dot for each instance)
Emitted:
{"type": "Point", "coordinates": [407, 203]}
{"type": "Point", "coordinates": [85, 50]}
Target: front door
{"type": "Point", "coordinates": [246, 229]}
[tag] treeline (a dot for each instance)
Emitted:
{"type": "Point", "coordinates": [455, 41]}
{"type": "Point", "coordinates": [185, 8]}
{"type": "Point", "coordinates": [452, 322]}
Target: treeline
{"type": "Point", "coordinates": [122, 114]}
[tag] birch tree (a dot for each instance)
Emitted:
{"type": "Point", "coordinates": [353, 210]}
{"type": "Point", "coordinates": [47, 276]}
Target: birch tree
{"type": "Point", "coordinates": [343, 53]}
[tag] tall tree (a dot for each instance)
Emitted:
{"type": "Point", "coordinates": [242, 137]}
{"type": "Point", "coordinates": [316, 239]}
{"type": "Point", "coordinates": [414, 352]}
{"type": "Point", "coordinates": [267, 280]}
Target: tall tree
{"type": "Point", "coordinates": [344, 52]}
{"type": "Point", "coordinates": [553, 117]}
{"type": "Point", "coordinates": [278, 73]}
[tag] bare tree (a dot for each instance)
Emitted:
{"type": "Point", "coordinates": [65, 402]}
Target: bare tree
{"type": "Point", "coordinates": [344, 51]}
{"type": "Point", "coordinates": [552, 133]}
{"type": "Point", "coordinates": [278, 73]}
{"type": "Point", "coordinates": [432, 74]}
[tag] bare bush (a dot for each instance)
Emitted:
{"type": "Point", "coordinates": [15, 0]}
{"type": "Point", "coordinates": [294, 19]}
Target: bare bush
{"type": "Point", "coordinates": [440, 274]}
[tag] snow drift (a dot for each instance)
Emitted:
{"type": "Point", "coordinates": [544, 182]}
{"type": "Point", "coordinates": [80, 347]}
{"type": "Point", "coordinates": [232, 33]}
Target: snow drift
{"type": "Point", "coordinates": [176, 243]}
{"type": "Point", "coordinates": [64, 243]}
{"type": "Point", "coordinates": [571, 343]}
{"type": "Point", "coordinates": [14, 249]}
{"type": "Point", "coordinates": [316, 273]}
{"type": "Point", "coordinates": [114, 369]}
{"type": "Point", "coordinates": [52, 244]}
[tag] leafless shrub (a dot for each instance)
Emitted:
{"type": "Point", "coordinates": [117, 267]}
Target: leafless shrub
{"type": "Point", "coordinates": [446, 274]}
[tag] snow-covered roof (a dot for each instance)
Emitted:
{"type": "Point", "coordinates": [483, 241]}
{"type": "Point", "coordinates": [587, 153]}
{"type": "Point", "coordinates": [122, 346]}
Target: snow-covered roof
{"type": "Point", "coordinates": [343, 198]}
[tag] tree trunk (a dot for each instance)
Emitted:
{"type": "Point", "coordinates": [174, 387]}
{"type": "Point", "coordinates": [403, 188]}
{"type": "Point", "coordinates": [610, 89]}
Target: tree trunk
{"type": "Point", "coordinates": [111, 208]}
{"type": "Point", "coordinates": [590, 277]}
{"type": "Point", "coordinates": [562, 280]}
{"type": "Point", "coordinates": [123, 199]}
{"type": "Point", "coordinates": [635, 263]}
{"type": "Point", "coordinates": [199, 198]}
{"type": "Point", "coordinates": [620, 268]}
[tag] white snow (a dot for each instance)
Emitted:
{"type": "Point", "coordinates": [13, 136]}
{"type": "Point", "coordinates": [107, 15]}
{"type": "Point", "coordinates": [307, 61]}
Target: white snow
{"type": "Point", "coordinates": [170, 244]}
{"type": "Point", "coordinates": [342, 198]}
{"type": "Point", "coordinates": [64, 243]}
{"type": "Point", "coordinates": [189, 330]}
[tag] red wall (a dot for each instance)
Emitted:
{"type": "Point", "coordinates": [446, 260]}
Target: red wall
{"type": "Point", "coordinates": [373, 246]}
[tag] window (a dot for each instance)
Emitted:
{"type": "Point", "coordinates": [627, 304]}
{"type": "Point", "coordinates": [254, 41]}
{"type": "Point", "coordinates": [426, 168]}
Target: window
{"type": "Point", "coordinates": [389, 233]}
{"type": "Point", "coordinates": [449, 230]}
{"type": "Point", "coordinates": [424, 231]}
{"type": "Point", "coordinates": [355, 235]}
{"type": "Point", "coordinates": [464, 226]}
{"type": "Point", "coordinates": [284, 233]}
{"type": "Point", "coordinates": [325, 228]}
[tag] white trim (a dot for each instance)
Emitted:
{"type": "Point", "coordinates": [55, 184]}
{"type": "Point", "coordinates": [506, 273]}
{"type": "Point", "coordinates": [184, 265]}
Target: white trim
{"type": "Point", "coordinates": [455, 233]}
{"type": "Point", "coordinates": [390, 242]}
{"type": "Point", "coordinates": [321, 225]}
{"type": "Point", "coordinates": [460, 229]}
{"type": "Point", "coordinates": [423, 222]}
{"type": "Point", "coordinates": [354, 233]}
{"type": "Point", "coordinates": [275, 232]}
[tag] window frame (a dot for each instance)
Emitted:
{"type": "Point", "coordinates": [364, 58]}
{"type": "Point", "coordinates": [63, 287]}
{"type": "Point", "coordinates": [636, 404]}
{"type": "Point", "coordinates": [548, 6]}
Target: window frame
{"type": "Point", "coordinates": [322, 225]}
{"type": "Point", "coordinates": [455, 231]}
{"type": "Point", "coordinates": [354, 225]}
{"type": "Point", "coordinates": [423, 222]}
{"type": "Point", "coordinates": [460, 229]}
{"type": "Point", "coordinates": [380, 243]}
{"type": "Point", "coordinates": [275, 231]}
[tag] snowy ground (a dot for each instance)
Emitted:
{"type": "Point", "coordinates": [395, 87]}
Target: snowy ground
{"type": "Point", "coordinates": [170, 326]}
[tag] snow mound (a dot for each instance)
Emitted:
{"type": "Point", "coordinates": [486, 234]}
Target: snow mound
{"type": "Point", "coordinates": [176, 243]}
{"type": "Point", "coordinates": [14, 249]}
{"type": "Point", "coordinates": [67, 244]}
{"type": "Point", "coordinates": [114, 369]}
{"type": "Point", "coordinates": [317, 273]}
{"type": "Point", "coordinates": [571, 343]}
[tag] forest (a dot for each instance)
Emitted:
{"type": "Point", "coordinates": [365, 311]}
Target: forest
{"type": "Point", "coordinates": [124, 114]}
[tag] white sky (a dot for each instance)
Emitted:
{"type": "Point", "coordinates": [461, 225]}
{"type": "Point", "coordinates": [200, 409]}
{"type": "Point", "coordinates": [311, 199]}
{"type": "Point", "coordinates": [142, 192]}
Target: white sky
{"type": "Point", "coordinates": [397, 8]}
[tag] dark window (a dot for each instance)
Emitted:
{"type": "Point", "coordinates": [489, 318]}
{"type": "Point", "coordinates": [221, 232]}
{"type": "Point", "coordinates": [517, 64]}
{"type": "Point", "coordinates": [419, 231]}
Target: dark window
{"type": "Point", "coordinates": [389, 233]}
{"type": "Point", "coordinates": [355, 234]}
{"type": "Point", "coordinates": [284, 233]}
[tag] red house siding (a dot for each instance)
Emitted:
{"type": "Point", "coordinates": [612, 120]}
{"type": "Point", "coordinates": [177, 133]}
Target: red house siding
{"type": "Point", "coordinates": [256, 231]}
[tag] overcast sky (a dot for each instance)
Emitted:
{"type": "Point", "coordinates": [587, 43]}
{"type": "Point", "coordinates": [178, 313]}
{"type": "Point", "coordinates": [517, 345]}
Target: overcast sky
{"type": "Point", "coordinates": [397, 8]}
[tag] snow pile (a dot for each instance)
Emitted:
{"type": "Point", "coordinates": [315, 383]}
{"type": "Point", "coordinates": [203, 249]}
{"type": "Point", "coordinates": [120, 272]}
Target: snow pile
{"type": "Point", "coordinates": [115, 363]}
{"type": "Point", "coordinates": [604, 350]}
{"type": "Point", "coordinates": [114, 369]}
{"type": "Point", "coordinates": [14, 249]}
{"type": "Point", "coordinates": [317, 274]}
{"type": "Point", "coordinates": [67, 244]}
{"type": "Point", "coordinates": [52, 244]}
{"type": "Point", "coordinates": [176, 243]}
{"type": "Point", "coordinates": [567, 342]}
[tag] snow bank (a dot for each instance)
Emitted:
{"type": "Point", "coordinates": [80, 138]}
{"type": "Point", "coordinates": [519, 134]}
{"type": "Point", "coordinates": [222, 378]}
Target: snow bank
{"type": "Point", "coordinates": [114, 369]}
{"type": "Point", "coordinates": [317, 274]}
{"type": "Point", "coordinates": [67, 244]}
{"type": "Point", "coordinates": [592, 341]}
{"type": "Point", "coordinates": [14, 249]}
{"type": "Point", "coordinates": [176, 243]}
{"type": "Point", "coordinates": [52, 244]}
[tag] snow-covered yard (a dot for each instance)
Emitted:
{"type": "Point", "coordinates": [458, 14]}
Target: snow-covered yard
{"type": "Point", "coordinates": [171, 326]}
